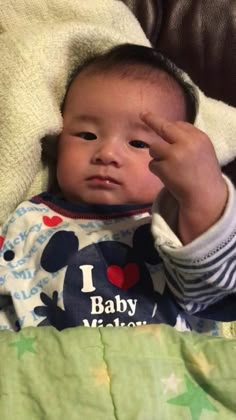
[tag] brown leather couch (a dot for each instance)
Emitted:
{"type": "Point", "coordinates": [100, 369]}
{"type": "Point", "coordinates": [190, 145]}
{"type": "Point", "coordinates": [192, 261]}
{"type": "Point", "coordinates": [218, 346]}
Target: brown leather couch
{"type": "Point", "coordinates": [200, 37]}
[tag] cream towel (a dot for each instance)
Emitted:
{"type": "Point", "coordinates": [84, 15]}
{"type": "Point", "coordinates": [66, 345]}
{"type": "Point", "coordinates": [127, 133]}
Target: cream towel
{"type": "Point", "coordinates": [41, 42]}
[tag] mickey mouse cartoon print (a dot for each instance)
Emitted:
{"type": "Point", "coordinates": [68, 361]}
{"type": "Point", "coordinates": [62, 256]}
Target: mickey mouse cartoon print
{"type": "Point", "coordinates": [107, 283]}
{"type": "Point", "coordinates": [67, 265]}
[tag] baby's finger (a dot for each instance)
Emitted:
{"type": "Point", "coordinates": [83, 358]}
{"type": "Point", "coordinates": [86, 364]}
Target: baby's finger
{"type": "Point", "coordinates": [159, 149]}
{"type": "Point", "coordinates": [167, 130]}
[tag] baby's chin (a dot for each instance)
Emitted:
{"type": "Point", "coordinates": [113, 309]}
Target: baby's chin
{"type": "Point", "coordinates": [104, 199]}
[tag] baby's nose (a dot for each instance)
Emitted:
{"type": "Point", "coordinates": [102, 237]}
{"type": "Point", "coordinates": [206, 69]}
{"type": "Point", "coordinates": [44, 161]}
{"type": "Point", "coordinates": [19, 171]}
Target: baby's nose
{"type": "Point", "coordinates": [108, 153]}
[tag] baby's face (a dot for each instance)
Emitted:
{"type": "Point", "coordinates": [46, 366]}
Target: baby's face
{"type": "Point", "coordinates": [103, 154]}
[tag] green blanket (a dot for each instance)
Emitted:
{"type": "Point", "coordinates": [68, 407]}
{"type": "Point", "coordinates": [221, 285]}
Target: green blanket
{"type": "Point", "coordinates": [143, 373]}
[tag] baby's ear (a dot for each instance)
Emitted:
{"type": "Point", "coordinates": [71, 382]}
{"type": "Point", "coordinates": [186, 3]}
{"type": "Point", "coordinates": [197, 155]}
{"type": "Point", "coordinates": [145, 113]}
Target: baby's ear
{"type": "Point", "coordinates": [60, 248]}
{"type": "Point", "coordinates": [143, 244]}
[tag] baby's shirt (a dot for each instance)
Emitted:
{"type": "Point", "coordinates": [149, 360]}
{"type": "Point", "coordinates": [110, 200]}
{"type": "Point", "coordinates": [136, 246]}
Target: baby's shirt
{"type": "Point", "coordinates": [92, 265]}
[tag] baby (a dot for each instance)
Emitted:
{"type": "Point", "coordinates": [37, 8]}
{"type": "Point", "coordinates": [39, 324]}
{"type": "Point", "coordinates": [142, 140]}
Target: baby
{"type": "Point", "coordinates": [87, 256]}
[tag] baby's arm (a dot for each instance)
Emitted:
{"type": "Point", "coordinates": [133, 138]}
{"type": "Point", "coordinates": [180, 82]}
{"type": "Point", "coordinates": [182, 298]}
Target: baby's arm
{"type": "Point", "coordinates": [204, 271]}
{"type": "Point", "coordinates": [199, 253]}
{"type": "Point", "coordinates": [185, 161]}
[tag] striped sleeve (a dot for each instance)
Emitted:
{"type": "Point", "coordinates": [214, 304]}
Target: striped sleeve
{"type": "Point", "coordinates": [202, 272]}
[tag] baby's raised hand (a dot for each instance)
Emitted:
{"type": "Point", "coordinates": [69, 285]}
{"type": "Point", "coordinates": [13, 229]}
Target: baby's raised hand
{"type": "Point", "coordinates": [185, 161]}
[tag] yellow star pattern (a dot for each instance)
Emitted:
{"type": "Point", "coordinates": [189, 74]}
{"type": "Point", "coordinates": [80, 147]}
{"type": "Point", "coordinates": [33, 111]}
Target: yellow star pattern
{"type": "Point", "coordinates": [201, 363]}
{"type": "Point", "coordinates": [154, 330]}
{"type": "Point", "coordinates": [101, 376]}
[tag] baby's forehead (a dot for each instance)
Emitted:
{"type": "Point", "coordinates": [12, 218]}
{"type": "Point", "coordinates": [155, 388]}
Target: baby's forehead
{"type": "Point", "coordinates": [112, 98]}
{"type": "Point", "coordinates": [143, 74]}
{"type": "Point", "coordinates": [162, 83]}
{"type": "Point", "coordinates": [138, 72]}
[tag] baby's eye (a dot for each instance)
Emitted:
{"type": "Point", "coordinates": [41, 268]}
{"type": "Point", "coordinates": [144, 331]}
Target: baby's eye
{"type": "Point", "coordinates": [86, 135]}
{"type": "Point", "coordinates": [139, 144]}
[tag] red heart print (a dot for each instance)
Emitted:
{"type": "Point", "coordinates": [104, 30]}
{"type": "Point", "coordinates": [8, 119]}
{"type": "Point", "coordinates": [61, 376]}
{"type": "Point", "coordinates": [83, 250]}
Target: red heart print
{"type": "Point", "coordinates": [124, 278]}
{"type": "Point", "coordinates": [52, 221]}
{"type": "Point", "coordinates": [1, 241]}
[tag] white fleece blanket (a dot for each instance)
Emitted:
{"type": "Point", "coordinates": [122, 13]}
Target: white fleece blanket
{"type": "Point", "coordinates": [41, 42]}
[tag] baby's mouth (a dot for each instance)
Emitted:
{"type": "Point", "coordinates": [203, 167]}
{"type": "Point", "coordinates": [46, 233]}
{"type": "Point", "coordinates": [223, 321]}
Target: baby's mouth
{"type": "Point", "coordinates": [102, 180]}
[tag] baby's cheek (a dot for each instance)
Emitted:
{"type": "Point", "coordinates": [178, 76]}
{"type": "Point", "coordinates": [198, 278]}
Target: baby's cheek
{"type": "Point", "coordinates": [149, 184]}
{"type": "Point", "coordinates": [154, 182]}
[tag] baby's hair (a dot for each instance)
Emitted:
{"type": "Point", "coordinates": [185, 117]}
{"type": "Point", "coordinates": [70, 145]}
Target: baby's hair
{"type": "Point", "coordinates": [130, 60]}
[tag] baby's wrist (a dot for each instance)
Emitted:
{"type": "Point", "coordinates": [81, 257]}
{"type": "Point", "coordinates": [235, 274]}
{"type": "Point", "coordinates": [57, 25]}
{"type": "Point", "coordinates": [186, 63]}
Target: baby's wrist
{"type": "Point", "coordinates": [196, 218]}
